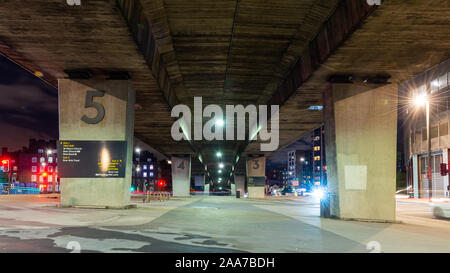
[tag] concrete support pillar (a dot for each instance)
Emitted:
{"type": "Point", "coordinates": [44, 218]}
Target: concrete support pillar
{"type": "Point", "coordinates": [181, 176]}
{"type": "Point", "coordinates": [199, 182]}
{"type": "Point", "coordinates": [256, 175]}
{"type": "Point", "coordinates": [233, 189]}
{"type": "Point", "coordinates": [361, 141]}
{"type": "Point", "coordinates": [96, 126]}
{"type": "Point", "coordinates": [206, 191]}
{"type": "Point", "coordinates": [239, 181]}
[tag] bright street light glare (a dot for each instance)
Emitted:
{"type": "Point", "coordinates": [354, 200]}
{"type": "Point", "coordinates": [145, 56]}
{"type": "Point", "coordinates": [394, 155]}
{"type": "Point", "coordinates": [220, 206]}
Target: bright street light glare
{"type": "Point", "coordinates": [219, 154]}
{"type": "Point", "coordinates": [420, 100]}
{"type": "Point", "coordinates": [221, 165]}
{"type": "Point", "coordinates": [138, 150]}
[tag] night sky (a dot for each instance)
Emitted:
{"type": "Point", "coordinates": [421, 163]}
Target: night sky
{"type": "Point", "coordinates": [28, 107]}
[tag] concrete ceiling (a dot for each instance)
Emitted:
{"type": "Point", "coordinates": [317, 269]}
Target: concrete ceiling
{"type": "Point", "coordinates": [228, 52]}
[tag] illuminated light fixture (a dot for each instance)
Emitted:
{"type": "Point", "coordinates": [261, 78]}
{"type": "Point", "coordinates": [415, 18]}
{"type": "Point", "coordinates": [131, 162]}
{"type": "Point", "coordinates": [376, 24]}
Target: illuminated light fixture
{"type": "Point", "coordinates": [435, 83]}
{"type": "Point", "coordinates": [138, 150]}
{"type": "Point", "coordinates": [169, 161]}
{"type": "Point", "coordinates": [420, 100]}
{"type": "Point", "coordinates": [219, 122]}
{"type": "Point", "coordinates": [302, 159]}
{"type": "Point", "coordinates": [138, 169]}
{"type": "Point", "coordinates": [219, 154]}
{"type": "Point", "coordinates": [221, 165]}
{"type": "Point", "coordinates": [315, 108]}
{"type": "Point", "coordinates": [49, 152]}
{"type": "Point", "coordinates": [220, 171]}
{"type": "Point", "coordinates": [38, 74]}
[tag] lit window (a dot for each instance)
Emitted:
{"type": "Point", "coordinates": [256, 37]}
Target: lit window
{"type": "Point", "coordinates": [144, 167]}
{"type": "Point", "coordinates": [41, 179]}
{"type": "Point", "coordinates": [144, 174]}
{"type": "Point", "coordinates": [33, 169]}
{"type": "Point", "coordinates": [50, 168]}
{"type": "Point", "coordinates": [42, 159]}
{"type": "Point", "coordinates": [34, 159]}
{"type": "Point", "coordinates": [151, 174]}
{"type": "Point", "coordinates": [41, 168]}
{"type": "Point", "coordinates": [41, 151]}
{"type": "Point", "coordinates": [151, 167]}
{"type": "Point", "coordinates": [50, 178]}
{"type": "Point", "coordinates": [50, 159]}
{"type": "Point", "coordinates": [33, 178]}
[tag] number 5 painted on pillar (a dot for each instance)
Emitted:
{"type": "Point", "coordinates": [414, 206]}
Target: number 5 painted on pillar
{"type": "Point", "coordinates": [90, 103]}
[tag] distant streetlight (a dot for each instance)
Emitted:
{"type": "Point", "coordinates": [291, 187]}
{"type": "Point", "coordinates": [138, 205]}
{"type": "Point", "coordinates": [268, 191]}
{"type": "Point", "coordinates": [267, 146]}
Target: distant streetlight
{"type": "Point", "coordinates": [221, 165]}
{"type": "Point", "coordinates": [138, 150]}
{"type": "Point", "coordinates": [169, 162]}
{"type": "Point", "coordinates": [220, 171]}
{"type": "Point", "coordinates": [219, 154]}
{"type": "Point", "coordinates": [49, 152]}
{"type": "Point", "coordinates": [419, 101]}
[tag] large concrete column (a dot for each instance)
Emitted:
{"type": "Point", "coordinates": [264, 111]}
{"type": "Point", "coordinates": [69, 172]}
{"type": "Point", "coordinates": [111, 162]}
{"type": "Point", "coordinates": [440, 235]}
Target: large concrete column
{"type": "Point", "coordinates": [96, 124]}
{"type": "Point", "coordinates": [361, 141]}
{"type": "Point", "coordinates": [199, 181]}
{"type": "Point", "coordinates": [256, 175]}
{"type": "Point", "coordinates": [206, 190]}
{"type": "Point", "coordinates": [239, 181]}
{"type": "Point", "coordinates": [233, 189]}
{"type": "Point", "coordinates": [181, 176]}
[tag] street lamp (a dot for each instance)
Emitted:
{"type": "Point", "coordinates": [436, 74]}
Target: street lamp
{"type": "Point", "coordinates": [419, 101]}
{"type": "Point", "coordinates": [221, 165]}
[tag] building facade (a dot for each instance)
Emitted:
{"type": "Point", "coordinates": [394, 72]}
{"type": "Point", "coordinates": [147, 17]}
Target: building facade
{"type": "Point", "coordinates": [35, 166]}
{"type": "Point", "coordinates": [319, 168]}
{"type": "Point", "coordinates": [299, 168]}
{"type": "Point", "coordinates": [145, 171]}
{"type": "Point", "coordinates": [432, 84]}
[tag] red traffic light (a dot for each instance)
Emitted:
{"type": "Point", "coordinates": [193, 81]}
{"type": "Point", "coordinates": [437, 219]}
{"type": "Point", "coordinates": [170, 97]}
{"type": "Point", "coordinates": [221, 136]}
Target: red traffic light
{"type": "Point", "coordinates": [4, 162]}
{"type": "Point", "coordinates": [161, 183]}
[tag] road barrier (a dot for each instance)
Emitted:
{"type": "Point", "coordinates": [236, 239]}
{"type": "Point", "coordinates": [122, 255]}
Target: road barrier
{"type": "Point", "coordinates": [158, 195]}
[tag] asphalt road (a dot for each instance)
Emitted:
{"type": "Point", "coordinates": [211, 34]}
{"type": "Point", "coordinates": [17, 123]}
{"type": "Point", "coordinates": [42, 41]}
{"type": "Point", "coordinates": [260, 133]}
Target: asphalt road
{"type": "Point", "coordinates": [202, 224]}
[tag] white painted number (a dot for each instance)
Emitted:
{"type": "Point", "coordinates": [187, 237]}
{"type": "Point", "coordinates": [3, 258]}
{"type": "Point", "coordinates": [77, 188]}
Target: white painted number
{"type": "Point", "coordinates": [75, 246]}
{"type": "Point", "coordinates": [74, 2]}
{"type": "Point", "coordinates": [373, 247]}
{"type": "Point", "coordinates": [374, 2]}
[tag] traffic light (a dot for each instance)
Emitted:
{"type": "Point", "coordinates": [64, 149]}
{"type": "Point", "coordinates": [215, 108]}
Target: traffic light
{"type": "Point", "coordinates": [161, 183]}
{"type": "Point", "coordinates": [5, 165]}
{"type": "Point", "coordinates": [444, 170]}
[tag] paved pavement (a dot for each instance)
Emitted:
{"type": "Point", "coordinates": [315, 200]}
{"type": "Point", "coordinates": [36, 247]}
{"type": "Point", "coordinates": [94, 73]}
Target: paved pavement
{"type": "Point", "coordinates": [211, 224]}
